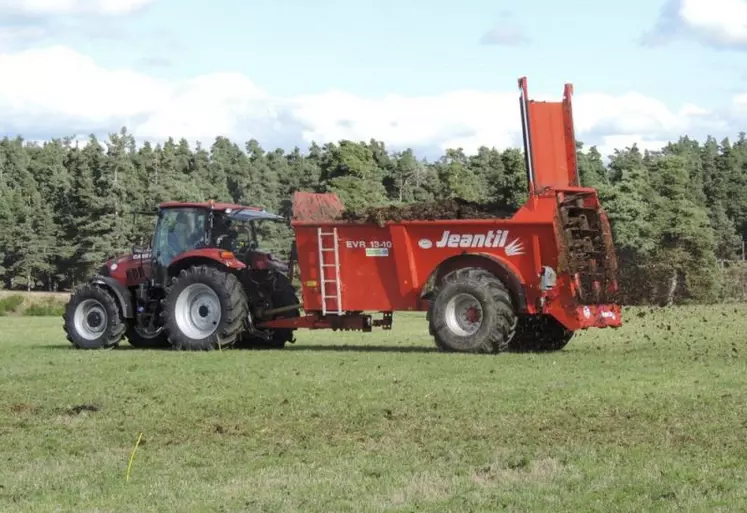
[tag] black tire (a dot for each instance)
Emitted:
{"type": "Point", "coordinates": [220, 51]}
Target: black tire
{"type": "Point", "coordinates": [540, 334]}
{"type": "Point", "coordinates": [98, 324]}
{"type": "Point", "coordinates": [229, 307]}
{"type": "Point", "coordinates": [283, 294]}
{"type": "Point", "coordinates": [497, 319]}
{"type": "Point", "coordinates": [141, 340]}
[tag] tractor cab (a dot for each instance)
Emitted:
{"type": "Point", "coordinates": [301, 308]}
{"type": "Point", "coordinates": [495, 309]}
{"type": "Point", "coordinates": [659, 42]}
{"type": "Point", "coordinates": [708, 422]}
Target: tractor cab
{"type": "Point", "coordinates": [179, 230]}
{"type": "Point", "coordinates": [212, 230]}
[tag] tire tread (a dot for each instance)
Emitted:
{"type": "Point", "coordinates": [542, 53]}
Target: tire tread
{"type": "Point", "coordinates": [502, 331]}
{"type": "Point", "coordinates": [233, 300]}
{"type": "Point", "coordinates": [116, 330]}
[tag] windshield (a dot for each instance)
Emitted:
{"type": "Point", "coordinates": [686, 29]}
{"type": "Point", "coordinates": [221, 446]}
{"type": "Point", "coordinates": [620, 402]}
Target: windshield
{"type": "Point", "coordinates": [179, 230]}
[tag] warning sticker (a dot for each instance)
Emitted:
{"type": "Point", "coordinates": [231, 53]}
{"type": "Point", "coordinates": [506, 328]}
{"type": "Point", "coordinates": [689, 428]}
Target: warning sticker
{"type": "Point", "coordinates": [377, 252]}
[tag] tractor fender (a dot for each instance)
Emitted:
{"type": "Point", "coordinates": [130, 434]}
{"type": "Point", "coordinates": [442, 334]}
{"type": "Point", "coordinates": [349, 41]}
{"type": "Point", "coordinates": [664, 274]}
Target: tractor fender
{"type": "Point", "coordinates": [177, 266]}
{"type": "Point", "coordinates": [502, 269]}
{"type": "Point", "coordinates": [206, 256]}
{"type": "Point", "coordinates": [121, 292]}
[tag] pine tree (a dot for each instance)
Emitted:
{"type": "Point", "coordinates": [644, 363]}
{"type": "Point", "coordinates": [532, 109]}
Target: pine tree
{"type": "Point", "coordinates": [685, 250]}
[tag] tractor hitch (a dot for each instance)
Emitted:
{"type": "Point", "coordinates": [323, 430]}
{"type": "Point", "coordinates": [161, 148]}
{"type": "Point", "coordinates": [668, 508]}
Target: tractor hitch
{"type": "Point", "coordinates": [264, 314]}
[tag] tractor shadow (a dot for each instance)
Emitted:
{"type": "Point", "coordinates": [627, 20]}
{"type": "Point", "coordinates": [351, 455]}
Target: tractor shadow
{"type": "Point", "coordinates": [361, 349]}
{"type": "Point", "coordinates": [329, 348]}
{"type": "Point", "coordinates": [124, 347]}
{"type": "Point", "coordinates": [292, 348]}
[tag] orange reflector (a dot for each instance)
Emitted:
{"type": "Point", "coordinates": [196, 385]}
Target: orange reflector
{"type": "Point", "coordinates": [226, 255]}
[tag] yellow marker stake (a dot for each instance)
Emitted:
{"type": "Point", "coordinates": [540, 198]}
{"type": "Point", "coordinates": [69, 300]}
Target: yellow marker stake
{"type": "Point", "coordinates": [132, 457]}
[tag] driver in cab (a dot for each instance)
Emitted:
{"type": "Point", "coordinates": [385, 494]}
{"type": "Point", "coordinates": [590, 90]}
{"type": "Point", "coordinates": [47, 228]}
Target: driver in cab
{"type": "Point", "coordinates": [225, 234]}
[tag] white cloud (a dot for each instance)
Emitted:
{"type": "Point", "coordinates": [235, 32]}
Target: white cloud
{"type": "Point", "coordinates": [58, 81]}
{"type": "Point", "coordinates": [459, 118]}
{"type": "Point", "coordinates": [718, 23]}
{"type": "Point", "coordinates": [721, 21]}
{"type": "Point", "coordinates": [60, 7]}
{"type": "Point", "coordinates": [55, 92]}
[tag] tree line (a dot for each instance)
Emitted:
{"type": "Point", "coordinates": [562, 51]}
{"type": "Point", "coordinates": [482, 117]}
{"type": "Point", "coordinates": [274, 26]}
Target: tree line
{"type": "Point", "coordinates": [677, 213]}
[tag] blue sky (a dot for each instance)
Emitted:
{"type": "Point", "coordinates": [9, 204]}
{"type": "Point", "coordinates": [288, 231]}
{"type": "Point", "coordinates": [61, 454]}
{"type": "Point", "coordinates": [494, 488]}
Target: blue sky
{"type": "Point", "coordinates": [422, 47]}
{"type": "Point", "coordinates": [371, 49]}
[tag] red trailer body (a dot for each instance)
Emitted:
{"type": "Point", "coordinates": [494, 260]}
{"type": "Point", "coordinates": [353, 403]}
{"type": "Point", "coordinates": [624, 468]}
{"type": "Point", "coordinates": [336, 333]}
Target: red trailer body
{"type": "Point", "coordinates": [389, 268]}
{"type": "Point", "coordinates": [555, 256]}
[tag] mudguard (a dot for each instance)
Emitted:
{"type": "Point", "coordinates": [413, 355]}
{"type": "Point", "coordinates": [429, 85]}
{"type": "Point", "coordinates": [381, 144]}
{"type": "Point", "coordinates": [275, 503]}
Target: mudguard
{"type": "Point", "coordinates": [502, 269]}
{"type": "Point", "coordinates": [508, 274]}
{"type": "Point", "coordinates": [120, 292]}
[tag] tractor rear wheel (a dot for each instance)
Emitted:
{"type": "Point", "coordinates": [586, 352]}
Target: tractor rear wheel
{"type": "Point", "coordinates": [92, 319]}
{"type": "Point", "coordinates": [540, 334]}
{"type": "Point", "coordinates": [472, 313]}
{"type": "Point", "coordinates": [205, 308]}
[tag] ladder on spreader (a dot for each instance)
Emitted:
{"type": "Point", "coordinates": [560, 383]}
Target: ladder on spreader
{"type": "Point", "coordinates": [324, 265]}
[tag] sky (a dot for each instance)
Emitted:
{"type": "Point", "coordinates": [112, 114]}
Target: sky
{"type": "Point", "coordinates": [421, 74]}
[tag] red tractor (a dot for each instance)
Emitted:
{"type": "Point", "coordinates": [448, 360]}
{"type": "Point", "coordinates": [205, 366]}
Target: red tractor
{"type": "Point", "coordinates": [198, 287]}
{"type": "Point", "coordinates": [488, 285]}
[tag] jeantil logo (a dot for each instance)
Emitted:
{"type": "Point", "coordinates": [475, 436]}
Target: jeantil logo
{"type": "Point", "coordinates": [489, 239]}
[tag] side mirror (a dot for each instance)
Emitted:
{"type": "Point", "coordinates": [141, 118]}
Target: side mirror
{"type": "Point", "coordinates": [140, 247]}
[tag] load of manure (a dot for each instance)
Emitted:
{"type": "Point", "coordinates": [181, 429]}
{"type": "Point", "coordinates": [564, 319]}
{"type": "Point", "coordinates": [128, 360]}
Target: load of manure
{"type": "Point", "coordinates": [455, 208]}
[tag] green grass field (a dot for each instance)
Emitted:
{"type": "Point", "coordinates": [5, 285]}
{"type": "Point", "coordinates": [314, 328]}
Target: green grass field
{"type": "Point", "coordinates": [650, 417]}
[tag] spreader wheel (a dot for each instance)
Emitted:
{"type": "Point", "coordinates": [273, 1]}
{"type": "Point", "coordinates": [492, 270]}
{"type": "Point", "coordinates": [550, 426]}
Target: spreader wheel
{"type": "Point", "coordinates": [472, 313]}
{"type": "Point", "coordinates": [205, 308]}
{"type": "Point", "coordinates": [92, 319]}
{"type": "Point", "coordinates": [540, 333]}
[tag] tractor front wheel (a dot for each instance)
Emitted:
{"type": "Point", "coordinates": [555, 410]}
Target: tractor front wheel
{"type": "Point", "coordinates": [205, 309]}
{"type": "Point", "coordinates": [92, 319]}
{"type": "Point", "coordinates": [472, 313]}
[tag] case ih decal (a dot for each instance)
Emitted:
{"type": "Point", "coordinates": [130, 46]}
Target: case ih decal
{"type": "Point", "coordinates": [489, 239]}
